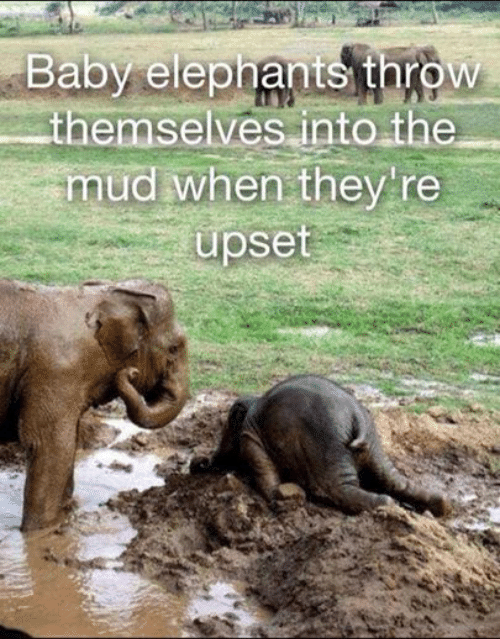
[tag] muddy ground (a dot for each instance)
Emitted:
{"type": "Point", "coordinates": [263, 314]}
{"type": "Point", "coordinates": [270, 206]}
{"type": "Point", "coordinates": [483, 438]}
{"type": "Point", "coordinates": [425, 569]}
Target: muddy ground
{"type": "Point", "coordinates": [317, 571]}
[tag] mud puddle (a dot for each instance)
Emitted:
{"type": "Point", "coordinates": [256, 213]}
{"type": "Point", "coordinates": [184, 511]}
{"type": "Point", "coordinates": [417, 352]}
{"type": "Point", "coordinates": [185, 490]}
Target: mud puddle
{"type": "Point", "coordinates": [71, 582]}
{"type": "Point", "coordinates": [318, 572]}
{"type": "Point", "coordinates": [483, 339]}
{"type": "Point", "coordinates": [206, 557]}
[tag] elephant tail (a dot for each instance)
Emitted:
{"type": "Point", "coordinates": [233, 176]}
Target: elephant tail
{"type": "Point", "coordinates": [358, 444]}
{"type": "Point", "coordinates": [361, 427]}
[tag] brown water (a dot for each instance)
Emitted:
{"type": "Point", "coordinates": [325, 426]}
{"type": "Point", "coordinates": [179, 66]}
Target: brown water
{"type": "Point", "coordinates": [46, 591]}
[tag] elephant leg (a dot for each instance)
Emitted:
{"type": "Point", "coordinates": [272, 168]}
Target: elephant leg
{"type": "Point", "coordinates": [362, 95]}
{"type": "Point", "coordinates": [356, 79]}
{"type": "Point", "coordinates": [282, 97]}
{"type": "Point", "coordinates": [50, 442]}
{"type": "Point", "coordinates": [264, 471]}
{"type": "Point", "coordinates": [342, 489]}
{"type": "Point", "coordinates": [70, 487]}
{"type": "Point", "coordinates": [291, 97]}
{"type": "Point", "coordinates": [351, 498]}
{"type": "Point", "coordinates": [408, 92]}
{"type": "Point", "coordinates": [258, 97]}
{"type": "Point", "coordinates": [419, 88]}
{"type": "Point", "coordinates": [268, 97]}
{"type": "Point", "coordinates": [378, 95]}
{"type": "Point", "coordinates": [388, 480]}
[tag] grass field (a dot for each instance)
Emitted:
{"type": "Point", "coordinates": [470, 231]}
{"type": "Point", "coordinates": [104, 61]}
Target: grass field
{"type": "Point", "coordinates": [402, 288]}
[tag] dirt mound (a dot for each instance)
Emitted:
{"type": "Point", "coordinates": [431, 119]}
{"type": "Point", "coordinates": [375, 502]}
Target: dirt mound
{"type": "Point", "coordinates": [438, 430]}
{"type": "Point", "coordinates": [15, 86]}
{"type": "Point", "coordinates": [385, 573]}
{"type": "Point", "coordinates": [389, 572]}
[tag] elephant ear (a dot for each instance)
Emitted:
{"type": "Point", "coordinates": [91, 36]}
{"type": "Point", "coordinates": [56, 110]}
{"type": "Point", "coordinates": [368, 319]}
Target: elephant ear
{"type": "Point", "coordinates": [425, 55]}
{"type": "Point", "coordinates": [121, 322]}
{"type": "Point", "coordinates": [239, 411]}
{"type": "Point", "coordinates": [346, 54]}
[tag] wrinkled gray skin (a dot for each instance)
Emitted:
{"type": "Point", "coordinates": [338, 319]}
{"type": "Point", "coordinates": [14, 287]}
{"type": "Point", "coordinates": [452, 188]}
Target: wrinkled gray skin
{"type": "Point", "coordinates": [310, 431]}
{"type": "Point", "coordinates": [268, 67]}
{"type": "Point", "coordinates": [63, 350]}
{"type": "Point", "coordinates": [355, 55]}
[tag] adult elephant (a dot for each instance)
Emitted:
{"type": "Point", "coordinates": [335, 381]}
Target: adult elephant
{"type": "Point", "coordinates": [63, 350]}
{"type": "Point", "coordinates": [355, 56]}
{"type": "Point", "coordinates": [272, 71]}
{"type": "Point", "coordinates": [410, 61]}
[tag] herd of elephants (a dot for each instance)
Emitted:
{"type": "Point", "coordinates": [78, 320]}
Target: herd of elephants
{"type": "Point", "coordinates": [372, 70]}
{"type": "Point", "coordinates": [66, 349]}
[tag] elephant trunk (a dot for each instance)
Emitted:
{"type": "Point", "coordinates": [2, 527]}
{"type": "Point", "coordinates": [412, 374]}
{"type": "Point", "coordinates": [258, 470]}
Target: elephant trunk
{"type": "Point", "coordinates": [164, 403]}
{"type": "Point", "coordinates": [435, 79]}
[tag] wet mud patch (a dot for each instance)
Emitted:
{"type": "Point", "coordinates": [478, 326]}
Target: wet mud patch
{"type": "Point", "coordinates": [318, 572]}
{"type": "Point", "coordinates": [303, 570]}
{"type": "Point", "coordinates": [70, 581]}
{"type": "Point", "coordinates": [195, 432]}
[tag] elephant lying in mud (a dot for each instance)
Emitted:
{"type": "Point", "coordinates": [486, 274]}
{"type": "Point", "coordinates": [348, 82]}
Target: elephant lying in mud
{"type": "Point", "coordinates": [409, 59]}
{"type": "Point", "coordinates": [270, 69]}
{"type": "Point", "coordinates": [310, 431]}
{"type": "Point", "coordinates": [63, 350]}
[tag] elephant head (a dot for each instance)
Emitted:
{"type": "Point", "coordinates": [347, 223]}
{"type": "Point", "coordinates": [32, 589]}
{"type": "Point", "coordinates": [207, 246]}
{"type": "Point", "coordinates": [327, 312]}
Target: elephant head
{"type": "Point", "coordinates": [135, 327]}
{"type": "Point", "coordinates": [230, 441]}
{"type": "Point", "coordinates": [226, 457]}
{"type": "Point", "coordinates": [346, 54]}
{"type": "Point", "coordinates": [355, 55]}
{"type": "Point", "coordinates": [428, 54]}
{"type": "Point", "coordinates": [73, 348]}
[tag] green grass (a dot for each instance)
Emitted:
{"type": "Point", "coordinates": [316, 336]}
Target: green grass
{"type": "Point", "coordinates": [473, 120]}
{"type": "Point", "coordinates": [404, 286]}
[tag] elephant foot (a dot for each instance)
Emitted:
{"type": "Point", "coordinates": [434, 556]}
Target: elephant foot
{"type": "Point", "coordinates": [440, 506]}
{"type": "Point", "coordinates": [34, 528]}
{"type": "Point", "coordinates": [435, 503]}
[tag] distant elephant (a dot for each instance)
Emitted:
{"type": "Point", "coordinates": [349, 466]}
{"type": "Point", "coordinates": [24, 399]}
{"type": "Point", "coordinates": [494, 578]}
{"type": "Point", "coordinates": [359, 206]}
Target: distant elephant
{"type": "Point", "coordinates": [310, 431]}
{"type": "Point", "coordinates": [410, 60]}
{"type": "Point", "coordinates": [355, 55]}
{"type": "Point", "coordinates": [63, 350]}
{"type": "Point", "coordinates": [273, 68]}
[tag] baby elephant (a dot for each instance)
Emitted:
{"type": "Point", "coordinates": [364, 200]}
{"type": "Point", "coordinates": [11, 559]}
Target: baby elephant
{"type": "Point", "coordinates": [310, 431]}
